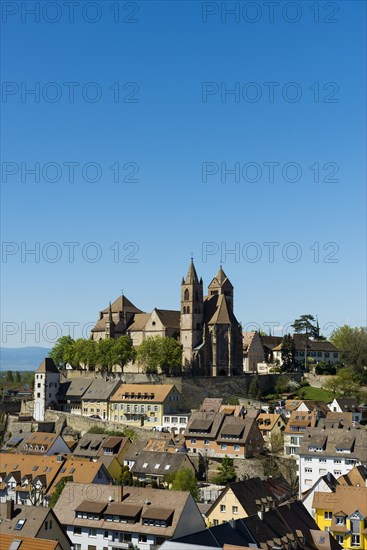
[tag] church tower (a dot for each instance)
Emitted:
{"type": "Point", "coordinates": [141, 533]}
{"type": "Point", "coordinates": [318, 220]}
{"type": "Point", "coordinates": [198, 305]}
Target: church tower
{"type": "Point", "coordinates": [192, 315]}
{"type": "Point", "coordinates": [221, 285]}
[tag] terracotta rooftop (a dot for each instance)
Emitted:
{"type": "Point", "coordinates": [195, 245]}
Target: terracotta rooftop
{"type": "Point", "coordinates": [153, 393]}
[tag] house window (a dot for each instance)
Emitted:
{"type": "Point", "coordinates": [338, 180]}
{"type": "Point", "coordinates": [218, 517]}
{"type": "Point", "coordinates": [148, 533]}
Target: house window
{"type": "Point", "coordinates": [145, 465]}
{"type": "Point", "coordinates": [328, 515]}
{"type": "Point", "coordinates": [308, 470]}
{"type": "Point", "coordinates": [38, 395]}
{"type": "Point", "coordinates": [340, 520]}
{"type": "Point", "coordinates": [356, 540]}
{"type": "Point", "coordinates": [92, 532]}
{"type": "Point", "coordinates": [77, 530]}
{"type": "Point", "coordinates": [206, 442]}
{"type": "Point", "coordinates": [234, 509]}
{"type": "Point", "coordinates": [340, 539]}
{"type": "Point", "coordinates": [193, 441]}
{"type": "Point", "coordinates": [215, 522]}
{"type": "Point", "coordinates": [156, 408]}
{"type": "Point", "coordinates": [223, 446]}
{"type": "Point", "coordinates": [142, 538]}
{"type": "Point", "coordinates": [223, 508]}
{"type": "Point", "coordinates": [337, 461]}
{"type": "Point", "coordinates": [337, 472]}
{"type": "Point", "coordinates": [237, 447]}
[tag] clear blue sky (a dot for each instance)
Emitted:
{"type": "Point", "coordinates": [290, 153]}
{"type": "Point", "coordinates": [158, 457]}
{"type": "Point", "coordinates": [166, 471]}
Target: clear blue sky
{"type": "Point", "coordinates": [169, 132]}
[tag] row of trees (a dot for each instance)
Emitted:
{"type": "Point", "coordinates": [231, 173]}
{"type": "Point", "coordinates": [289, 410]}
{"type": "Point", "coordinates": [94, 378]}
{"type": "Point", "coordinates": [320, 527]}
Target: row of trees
{"type": "Point", "coordinates": [154, 354]}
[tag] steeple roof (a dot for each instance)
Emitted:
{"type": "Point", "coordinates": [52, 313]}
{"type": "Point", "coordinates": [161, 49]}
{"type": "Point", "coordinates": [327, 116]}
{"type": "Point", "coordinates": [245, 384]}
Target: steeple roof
{"type": "Point", "coordinates": [191, 276]}
{"type": "Point", "coordinates": [47, 365]}
{"type": "Point", "coordinates": [220, 279]}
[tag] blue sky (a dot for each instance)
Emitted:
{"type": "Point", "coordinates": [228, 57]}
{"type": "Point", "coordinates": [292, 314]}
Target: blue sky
{"type": "Point", "coordinates": [169, 127]}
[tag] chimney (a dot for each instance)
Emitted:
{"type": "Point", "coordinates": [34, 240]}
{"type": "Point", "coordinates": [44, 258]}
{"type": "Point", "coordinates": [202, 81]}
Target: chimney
{"type": "Point", "coordinates": [9, 509]}
{"type": "Point", "coordinates": [232, 523]}
{"type": "Point", "coordinates": [260, 514]}
{"type": "Point", "coordinates": [120, 493]}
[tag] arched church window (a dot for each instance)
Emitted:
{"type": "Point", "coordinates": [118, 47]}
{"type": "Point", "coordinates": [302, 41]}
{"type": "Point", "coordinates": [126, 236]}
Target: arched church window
{"type": "Point", "coordinates": [184, 310]}
{"type": "Point", "coordinates": [186, 295]}
{"type": "Point", "coordinates": [188, 310]}
{"type": "Point", "coordinates": [196, 296]}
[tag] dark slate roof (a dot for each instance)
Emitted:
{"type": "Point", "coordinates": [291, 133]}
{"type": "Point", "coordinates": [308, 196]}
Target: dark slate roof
{"type": "Point", "coordinates": [76, 387]}
{"type": "Point", "coordinates": [101, 389]}
{"type": "Point", "coordinates": [254, 489]}
{"type": "Point", "coordinates": [47, 365]}
{"type": "Point", "coordinates": [218, 536]}
{"type": "Point", "coordinates": [169, 318]}
{"type": "Point", "coordinates": [152, 458]}
{"type": "Point", "coordinates": [347, 404]}
{"type": "Point", "coordinates": [353, 439]}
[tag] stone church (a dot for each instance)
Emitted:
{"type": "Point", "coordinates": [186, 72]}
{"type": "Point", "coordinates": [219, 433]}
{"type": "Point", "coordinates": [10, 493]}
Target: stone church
{"type": "Point", "coordinates": [206, 326]}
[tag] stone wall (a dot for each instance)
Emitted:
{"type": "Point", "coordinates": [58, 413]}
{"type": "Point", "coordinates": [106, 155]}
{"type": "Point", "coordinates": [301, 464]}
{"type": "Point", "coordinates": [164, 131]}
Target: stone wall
{"type": "Point", "coordinates": [83, 423]}
{"type": "Point", "coordinates": [195, 389]}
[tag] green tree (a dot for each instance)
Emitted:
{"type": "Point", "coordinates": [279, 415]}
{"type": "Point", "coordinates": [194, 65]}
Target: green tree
{"type": "Point", "coordinates": [345, 383]}
{"type": "Point", "coordinates": [170, 356]}
{"type": "Point", "coordinates": [160, 353]}
{"type": "Point", "coordinates": [126, 477]}
{"type": "Point", "coordinates": [305, 324]}
{"type": "Point", "coordinates": [104, 355]}
{"type": "Point", "coordinates": [123, 351]}
{"type": "Point", "coordinates": [288, 353]}
{"type": "Point", "coordinates": [226, 471]}
{"type": "Point", "coordinates": [254, 390]}
{"type": "Point", "coordinates": [232, 400]}
{"type": "Point", "coordinates": [9, 376]}
{"type": "Point", "coordinates": [57, 492]}
{"type": "Point", "coordinates": [63, 351]}
{"type": "Point", "coordinates": [352, 342]}
{"type": "Point", "coordinates": [183, 480]}
{"type": "Point", "coordinates": [148, 355]}
{"type": "Point", "coordinates": [282, 384]}
{"type": "Point", "coordinates": [85, 353]}
{"type": "Point", "coordinates": [18, 378]}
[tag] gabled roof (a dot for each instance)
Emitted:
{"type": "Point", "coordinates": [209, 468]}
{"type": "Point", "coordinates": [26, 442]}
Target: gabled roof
{"type": "Point", "coordinates": [220, 279]}
{"type": "Point", "coordinates": [139, 322]}
{"type": "Point", "coordinates": [122, 304]}
{"type": "Point", "coordinates": [34, 517]}
{"type": "Point", "coordinates": [250, 491]}
{"type": "Point", "coordinates": [101, 389]}
{"type": "Point", "coordinates": [223, 314]}
{"type": "Point", "coordinates": [357, 476]}
{"type": "Point", "coordinates": [144, 498]}
{"type": "Point", "coordinates": [47, 365]}
{"type": "Point", "coordinates": [157, 463]}
{"type": "Point", "coordinates": [155, 392]}
{"type": "Point", "coordinates": [267, 421]}
{"type": "Point", "coordinates": [169, 318]}
{"type": "Point", "coordinates": [79, 470]}
{"type": "Point", "coordinates": [345, 498]}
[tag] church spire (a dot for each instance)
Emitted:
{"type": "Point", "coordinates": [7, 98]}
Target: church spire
{"type": "Point", "coordinates": [191, 276]}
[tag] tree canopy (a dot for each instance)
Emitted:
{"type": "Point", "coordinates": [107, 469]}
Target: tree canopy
{"type": "Point", "coordinates": [63, 351]}
{"type": "Point", "coordinates": [352, 342]}
{"type": "Point", "coordinates": [288, 353]}
{"type": "Point", "coordinates": [308, 325]}
{"type": "Point", "coordinates": [183, 480]}
{"type": "Point", "coordinates": [226, 471]}
{"type": "Point", "coordinates": [160, 353]}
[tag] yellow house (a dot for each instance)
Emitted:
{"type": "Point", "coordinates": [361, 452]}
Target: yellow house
{"type": "Point", "coordinates": [96, 398]}
{"type": "Point", "coordinates": [344, 513]}
{"type": "Point", "coordinates": [271, 425]}
{"type": "Point", "coordinates": [144, 404]}
{"type": "Point", "coordinates": [246, 498]}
